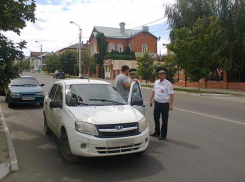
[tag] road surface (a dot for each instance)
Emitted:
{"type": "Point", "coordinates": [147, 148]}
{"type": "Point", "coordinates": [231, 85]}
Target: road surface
{"type": "Point", "coordinates": [206, 142]}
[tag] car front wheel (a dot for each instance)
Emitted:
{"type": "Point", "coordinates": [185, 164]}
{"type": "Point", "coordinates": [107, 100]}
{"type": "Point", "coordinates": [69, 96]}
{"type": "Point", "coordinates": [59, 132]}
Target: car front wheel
{"type": "Point", "coordinates": [47, 130]}
{"type": "Point", "coordinates": [65, 150]}
{"type": "Point", "coordinates": [10, 105]}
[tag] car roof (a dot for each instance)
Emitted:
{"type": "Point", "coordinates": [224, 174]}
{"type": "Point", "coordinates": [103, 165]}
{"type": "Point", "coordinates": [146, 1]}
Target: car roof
{"type": "Point", "coordinates": [82, 81]}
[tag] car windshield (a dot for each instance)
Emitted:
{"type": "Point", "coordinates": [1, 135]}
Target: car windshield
{"type": "Point", "coordinates": [24, 82]}
{"type": "Point", "coordinates": [92, 94]}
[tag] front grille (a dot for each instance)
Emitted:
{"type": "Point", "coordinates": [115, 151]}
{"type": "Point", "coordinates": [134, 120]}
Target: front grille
{"type": "Point", "coordinates": [110, 131]}
{"type": "Point", "coordinates": [116, 150]}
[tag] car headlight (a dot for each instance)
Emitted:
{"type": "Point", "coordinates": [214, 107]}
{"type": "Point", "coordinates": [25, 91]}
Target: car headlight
{"type": "Point", "coordinates": [86, 128]}
{"type": "Point", "coordinates": [39, 93]}
{"type": "Point", "coordinates": [142, 124]}
{"type": "Point", "coordinates": [14, 94]}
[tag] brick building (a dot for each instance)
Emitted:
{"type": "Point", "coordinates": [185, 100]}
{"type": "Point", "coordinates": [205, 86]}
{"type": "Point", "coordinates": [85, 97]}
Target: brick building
{"type": "Point", "coordinates": [139, 41]}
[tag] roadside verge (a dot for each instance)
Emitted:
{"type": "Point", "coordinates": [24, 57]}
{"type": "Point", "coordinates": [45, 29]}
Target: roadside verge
{"type": "Point", "coordinates": [5, 168]}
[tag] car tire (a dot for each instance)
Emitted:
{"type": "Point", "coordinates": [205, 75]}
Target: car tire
{"type": "Point", "coordinates": [10, 105]}
{"type": "Point", "coordinates": [41, 104]}
{"type": "Point", "coordinates": [47, 130]}
{"type": "Point", "coordinates": [65, 151]}
{"type": "Point", "coordinates": [6, 99]}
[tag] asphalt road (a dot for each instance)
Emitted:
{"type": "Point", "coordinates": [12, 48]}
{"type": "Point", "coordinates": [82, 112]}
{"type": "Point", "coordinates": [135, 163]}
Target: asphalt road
{"type": "Point", "coordinates": [206, 142]}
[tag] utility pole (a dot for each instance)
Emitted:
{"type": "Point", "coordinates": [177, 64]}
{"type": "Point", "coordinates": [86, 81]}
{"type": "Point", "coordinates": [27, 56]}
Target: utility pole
{"type": "Point", "coordinates": [80, 54]}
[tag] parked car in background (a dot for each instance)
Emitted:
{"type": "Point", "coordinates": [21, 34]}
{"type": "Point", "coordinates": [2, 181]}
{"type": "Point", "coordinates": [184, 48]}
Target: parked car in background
{"type": "Point", "coordinates": [91, 119]}
{"type": "Point", "coordinates": [59, 74]}
{"type": "Point", "coordinates": [25, 89]}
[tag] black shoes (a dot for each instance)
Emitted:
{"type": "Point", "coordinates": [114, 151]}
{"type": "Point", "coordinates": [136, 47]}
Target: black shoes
{"type": "Point", "coordinates": [162, 138]}
{"type": "Point", "coordinates": [155, 134]}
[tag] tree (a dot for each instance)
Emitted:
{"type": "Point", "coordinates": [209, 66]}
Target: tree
{"type": "Point", "coordinates": [196, 50]}
{"type": "Point", "coordinates": [145, 67]}
{"type": "Point", "coordinates": [52, 63]}
{"type": "Point", "coordinates": [13, 17]}
{"type": "Point", "coordinates": [25, 65]}
{"type": "Point", "coordinates": [99, 57]}
{"type": "Point", "coordinates": [68, 60]}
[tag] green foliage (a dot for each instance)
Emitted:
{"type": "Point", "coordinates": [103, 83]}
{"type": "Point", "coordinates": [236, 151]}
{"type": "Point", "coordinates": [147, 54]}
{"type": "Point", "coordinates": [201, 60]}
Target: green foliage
{"type": "Point", "coordinates": [99, 57]}
{"type": "Point", "coordinates": [195, 50]}
{"type": "Point", "coordinates": [25, 65]}
{"type": "Point", "coordinates": [68, 60]}
{"type": "Point", "coordinates": [229, 40]}
{"type": "Point", "coordinates": [146, 68]}
{"type": "Point", "coordinates": [126, 55]}
{"type": "Point", "coordinates": [52, 63]}
{"type": "Point", "coordinates": [13, 17]}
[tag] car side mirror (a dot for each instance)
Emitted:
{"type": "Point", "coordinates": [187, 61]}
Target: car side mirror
{"type": "Point", "coordinates": [55, 104]}
{"type": "Point", "coordinates": [42, 85]}
{"type": "Point", "coordinates": [137, 102]}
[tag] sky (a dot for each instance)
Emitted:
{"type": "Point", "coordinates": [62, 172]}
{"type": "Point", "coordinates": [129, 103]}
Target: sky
{"type": "Point", "coordinates": [53, 30]}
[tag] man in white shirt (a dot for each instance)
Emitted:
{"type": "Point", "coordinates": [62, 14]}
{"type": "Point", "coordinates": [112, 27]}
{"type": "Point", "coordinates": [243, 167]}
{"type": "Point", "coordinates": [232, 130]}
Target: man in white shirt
{"type": "Point", "coordinates": [163, 95]}
{"type": "Point", "coordinates": [132, 75]}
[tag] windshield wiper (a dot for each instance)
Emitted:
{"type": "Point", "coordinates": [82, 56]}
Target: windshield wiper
{"type": "Point", "coordinates": [30, 84]}
{"type": "Point", "coordinates": [105, 100]}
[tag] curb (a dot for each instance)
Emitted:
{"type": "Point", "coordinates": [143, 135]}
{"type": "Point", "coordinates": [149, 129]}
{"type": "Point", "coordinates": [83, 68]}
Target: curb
{"type": "Point", "coordinates": [13, 158]}
{"type": "Point", "coordinates": [4, 170]}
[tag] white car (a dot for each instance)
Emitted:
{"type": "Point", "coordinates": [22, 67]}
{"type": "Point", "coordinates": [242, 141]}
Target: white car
{"type": "Point", "coordinates": [91, 119]}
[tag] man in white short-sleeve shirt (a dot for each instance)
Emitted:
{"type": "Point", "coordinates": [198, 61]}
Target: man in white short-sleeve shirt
{"type": "Point", "coordinates": [163, 95]}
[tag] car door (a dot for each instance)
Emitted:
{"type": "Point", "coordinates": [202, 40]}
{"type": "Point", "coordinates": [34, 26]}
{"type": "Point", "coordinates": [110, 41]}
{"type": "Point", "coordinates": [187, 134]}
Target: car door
{"type": "Point", "coordinates": [135, 98]}
{"type": "Point", "coordinates": [56, 113]}
{"type": "Point", "coordinates": [47, 108]}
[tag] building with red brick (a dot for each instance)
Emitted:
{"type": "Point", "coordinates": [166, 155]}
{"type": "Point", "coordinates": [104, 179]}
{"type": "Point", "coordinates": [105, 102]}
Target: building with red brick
{"type": "Point", "coordinates": [139, 41]}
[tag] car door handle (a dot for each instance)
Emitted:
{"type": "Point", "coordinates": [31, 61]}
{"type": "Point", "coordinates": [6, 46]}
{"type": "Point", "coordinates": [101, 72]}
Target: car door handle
{"type": "Point", "coordinates": [143, 106]}
{"type": "Point", "coordinates": [46, 103]}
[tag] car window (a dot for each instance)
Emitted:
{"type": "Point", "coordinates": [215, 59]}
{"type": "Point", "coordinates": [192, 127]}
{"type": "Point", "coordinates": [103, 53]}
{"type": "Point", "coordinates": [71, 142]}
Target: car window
{"type": "Point", "coordinates": [52, 92]}
{"type": "Point", "coordinates": [58, 95]}
{"type": "Point", "coordinates": [92, 94]}
{"type": "Point", "coordinates": [24, 82]}
{"type": "Point", "coordinates": [136, 93]}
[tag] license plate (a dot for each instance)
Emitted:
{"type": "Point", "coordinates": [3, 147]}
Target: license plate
{"type": "Point", "coordinates": [122, 142]}
{"type": "Point", "coordinates": [28, 98]}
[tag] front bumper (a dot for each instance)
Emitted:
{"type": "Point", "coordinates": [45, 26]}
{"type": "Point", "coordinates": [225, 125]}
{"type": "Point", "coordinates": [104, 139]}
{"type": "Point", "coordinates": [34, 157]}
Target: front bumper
{"type": "Point", "coordinates": [97, 147]}
{"type": "Point", "coordinates": [19, 100]}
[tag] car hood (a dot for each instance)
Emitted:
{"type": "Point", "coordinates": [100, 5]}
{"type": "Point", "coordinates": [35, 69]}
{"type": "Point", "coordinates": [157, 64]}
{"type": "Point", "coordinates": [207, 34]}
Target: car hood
{"type": "Point", "coordinates": [25, 89]}
{"type": "Point", "coordinates": [106, 114]}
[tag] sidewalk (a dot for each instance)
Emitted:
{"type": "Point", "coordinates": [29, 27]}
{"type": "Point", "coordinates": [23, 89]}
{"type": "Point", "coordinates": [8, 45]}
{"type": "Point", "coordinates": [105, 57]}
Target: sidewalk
{"type": "Point", "coordinates": [4, 155]}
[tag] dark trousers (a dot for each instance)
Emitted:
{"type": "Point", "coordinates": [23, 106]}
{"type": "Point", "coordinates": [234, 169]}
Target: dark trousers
{"type": "Point", "coordinates": [161, 108]}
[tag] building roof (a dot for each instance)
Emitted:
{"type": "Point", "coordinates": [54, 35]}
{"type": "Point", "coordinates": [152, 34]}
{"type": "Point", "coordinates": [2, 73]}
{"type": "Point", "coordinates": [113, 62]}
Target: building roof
{"type": "Point", "coordinates": [74, 46]}
{"type": "Point", "coordinates": [35, 54]}
{"type": "Point", "coordinates": [116, 32]}
{"type": "Point", "coordinates": [83, 81]}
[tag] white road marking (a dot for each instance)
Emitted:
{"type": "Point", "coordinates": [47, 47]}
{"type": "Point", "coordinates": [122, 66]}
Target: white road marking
{"type": "Point", "coordinates": [228, 120]}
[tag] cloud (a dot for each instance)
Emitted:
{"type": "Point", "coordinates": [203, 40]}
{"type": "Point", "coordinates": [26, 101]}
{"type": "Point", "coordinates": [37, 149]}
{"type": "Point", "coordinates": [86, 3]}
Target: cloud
{"type": "Point", "coordinates": [53, 30]}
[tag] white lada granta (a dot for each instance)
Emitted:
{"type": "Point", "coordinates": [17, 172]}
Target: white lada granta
{"type": "Point", "coordinates": [91, 119]}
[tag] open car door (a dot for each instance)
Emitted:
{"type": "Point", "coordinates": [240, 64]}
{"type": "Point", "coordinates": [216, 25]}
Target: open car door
{"type": "Point", "coordinates": [135, 98]}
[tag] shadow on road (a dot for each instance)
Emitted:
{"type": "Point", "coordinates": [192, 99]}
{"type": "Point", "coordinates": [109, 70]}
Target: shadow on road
{"type": "Point", "coordinates": [39, 159]}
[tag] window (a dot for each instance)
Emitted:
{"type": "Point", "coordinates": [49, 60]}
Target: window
{"type": "Point", "coordinates": [58, 95]}
{"type": "Point", "coordinates": [119, 47]}
{"type": "Point", "coordinates": [111, 47]}
{"type": "Point", "coordinates": [144, 48]}
{"type": "Point", "coordinates": [130, 47]}
{"type": "Point", "coordinates": [136, 93]}
{"type": "Point", "coordinates": [52, 91]}
{"type": "Point", "coordinates": [95, 48]}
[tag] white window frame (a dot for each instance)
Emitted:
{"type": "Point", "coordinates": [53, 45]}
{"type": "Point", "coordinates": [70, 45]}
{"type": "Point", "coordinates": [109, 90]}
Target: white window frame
{"type": "Point", "coordinates": [119, 47]}
{"type": "Point", "coordinates": [144, 48]}
{"type": "Point", "coordinates": [111, 47]}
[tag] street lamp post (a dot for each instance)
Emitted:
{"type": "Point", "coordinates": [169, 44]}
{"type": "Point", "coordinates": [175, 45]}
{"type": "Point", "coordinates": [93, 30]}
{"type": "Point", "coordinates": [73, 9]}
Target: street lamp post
{"type": "Point", "coordinates": [80, 55]}
{"type": "Point", "coordinates": [41, 52]}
